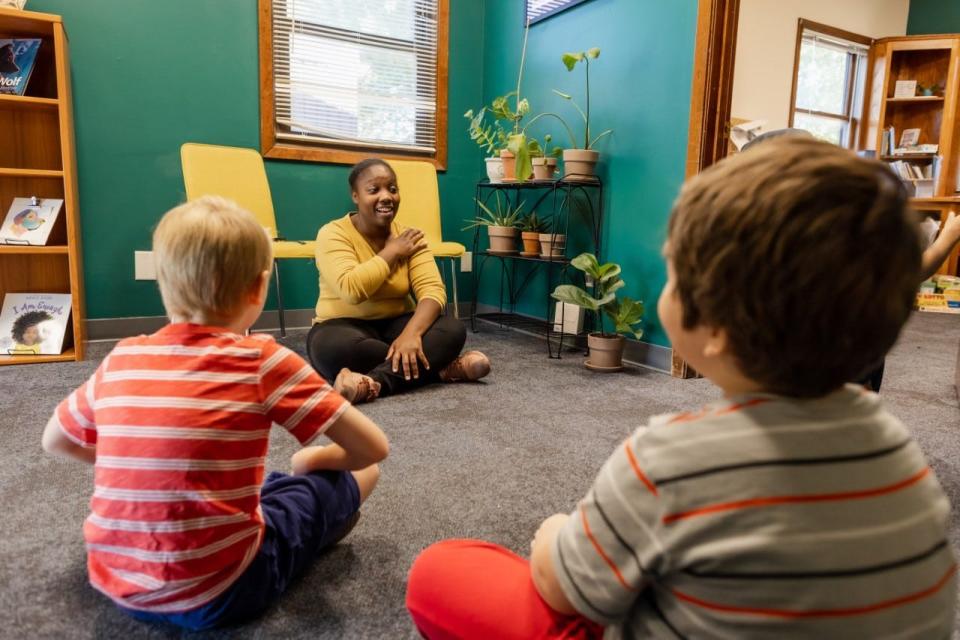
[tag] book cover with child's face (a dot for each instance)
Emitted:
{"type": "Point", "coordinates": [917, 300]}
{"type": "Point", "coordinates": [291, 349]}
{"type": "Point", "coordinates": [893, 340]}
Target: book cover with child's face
{"type": "Point", "coordinates": [33, 323]}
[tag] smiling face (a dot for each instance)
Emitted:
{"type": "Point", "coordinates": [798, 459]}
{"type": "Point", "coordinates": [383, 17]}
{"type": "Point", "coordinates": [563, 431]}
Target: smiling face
{"type": "Point", "coordinates": [377, 197]}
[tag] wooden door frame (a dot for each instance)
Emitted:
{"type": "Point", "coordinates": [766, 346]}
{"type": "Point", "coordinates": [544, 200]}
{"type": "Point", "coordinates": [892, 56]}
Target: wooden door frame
{"type": "Point", "coordinates": [711, 98]}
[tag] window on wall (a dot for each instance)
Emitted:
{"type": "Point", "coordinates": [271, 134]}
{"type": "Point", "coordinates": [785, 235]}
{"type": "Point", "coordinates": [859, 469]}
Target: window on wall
{"type": "Point", "coordinates": [346, 79]}
{"type": "Point", "coordinates": [538, 10]}
{"type": "Point", "coordinates": [830, 74]}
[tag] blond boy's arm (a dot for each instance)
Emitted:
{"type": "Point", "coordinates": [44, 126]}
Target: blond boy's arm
{"type": "Point", "coordinates": [57, 443]}
{"type": "Point", "coordinates": [937, 252]}
{"type": "Point", "coordinates": [357, 443]}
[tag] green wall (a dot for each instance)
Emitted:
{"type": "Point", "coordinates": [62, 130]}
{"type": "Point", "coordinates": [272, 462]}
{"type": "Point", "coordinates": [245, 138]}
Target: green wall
{"type": "Point", "coordinates": [150, 75]}
{"type": "Point", "coordinates": [933, 16]}
{"type": "Point", "coordinates": [640, 87]}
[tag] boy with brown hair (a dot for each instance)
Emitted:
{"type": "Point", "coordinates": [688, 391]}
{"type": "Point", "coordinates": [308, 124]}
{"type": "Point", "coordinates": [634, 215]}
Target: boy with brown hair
{"type": "Point", "coordinates": [183, 528]}
{"type": "Point", "coordinates": [794, 507]}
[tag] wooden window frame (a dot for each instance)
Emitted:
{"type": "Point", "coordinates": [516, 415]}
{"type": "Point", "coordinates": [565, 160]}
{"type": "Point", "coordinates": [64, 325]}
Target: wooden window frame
{"type": "Point", "coordinates": [854, 122]}
{"type": "Point", "coordinates": [271, 147]}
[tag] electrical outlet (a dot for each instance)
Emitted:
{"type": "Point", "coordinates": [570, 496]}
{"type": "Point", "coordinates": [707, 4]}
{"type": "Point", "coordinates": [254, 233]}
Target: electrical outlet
{"type": "Point", "coordinates": [466, 262]}
{"type": "Point", "coordinates": [143, 266]}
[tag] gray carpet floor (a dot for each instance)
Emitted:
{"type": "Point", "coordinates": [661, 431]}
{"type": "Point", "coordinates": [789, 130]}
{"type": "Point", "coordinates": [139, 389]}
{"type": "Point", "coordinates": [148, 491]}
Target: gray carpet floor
{"type": "Point", "coordinates": [487, 460]}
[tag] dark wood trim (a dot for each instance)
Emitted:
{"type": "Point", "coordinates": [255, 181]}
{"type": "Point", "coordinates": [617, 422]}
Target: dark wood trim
{"type": "Point", "coordinates": [711, 97]}
{"type": "Point", "coordinates": [712, 83]}
{"type": "Point", "coordinates": [271, 147]}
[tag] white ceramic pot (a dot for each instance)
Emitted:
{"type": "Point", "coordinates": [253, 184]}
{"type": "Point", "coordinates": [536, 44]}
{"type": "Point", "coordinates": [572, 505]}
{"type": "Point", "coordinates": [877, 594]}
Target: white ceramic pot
{"type": "Point", "coordinates": [495, 169]}
{"type": "Point", "coordinates": [580, 165]}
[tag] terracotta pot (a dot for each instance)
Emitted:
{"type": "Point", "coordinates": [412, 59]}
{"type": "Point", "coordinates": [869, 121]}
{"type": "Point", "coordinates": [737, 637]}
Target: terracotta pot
{"type": "Point", "coordinates": [580, 165]}
{"type": "Point", "coordinates": [495, 169]}
{"type": "Point", "coordinates": [552, 245]}
{"type": "Point", "coordinates": [531, 243]}
{"type": "Point", "coordinates": [606, 352]}
{"type": "Point", "coordinates": [541, 169]}
{"type": "Point", "coordinates": [552, 164]}
{"type": "Point", "coordinates": [503, 239]}
{"type": "Point", "coordinates": [509, 165]}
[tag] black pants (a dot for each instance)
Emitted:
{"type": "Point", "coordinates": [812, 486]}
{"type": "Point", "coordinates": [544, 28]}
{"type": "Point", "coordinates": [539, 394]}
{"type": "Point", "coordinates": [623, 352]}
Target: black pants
{"type": "Point", "coordinates": [362, 345]}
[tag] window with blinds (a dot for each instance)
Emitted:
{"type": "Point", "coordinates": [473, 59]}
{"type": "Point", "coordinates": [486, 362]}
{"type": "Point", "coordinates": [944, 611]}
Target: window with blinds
{"type": "Point", "coordinates": [357, 77]}
{"type": "Point", "coordinates": [540, 9]}
{"type": "Point", "coordinates": [829, 82]}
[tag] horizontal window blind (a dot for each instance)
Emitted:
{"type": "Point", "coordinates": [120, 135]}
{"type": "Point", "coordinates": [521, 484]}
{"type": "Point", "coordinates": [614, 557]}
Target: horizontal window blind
{"type": "Point", "coordinates": [356, 73]}
{"type": "Point", "coordinates": [540, 9]}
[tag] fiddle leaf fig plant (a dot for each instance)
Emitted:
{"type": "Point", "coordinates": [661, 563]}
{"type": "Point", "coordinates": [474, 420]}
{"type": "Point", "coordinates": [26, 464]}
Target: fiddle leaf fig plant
{"type": "Point", "coordinates": [625, 314]}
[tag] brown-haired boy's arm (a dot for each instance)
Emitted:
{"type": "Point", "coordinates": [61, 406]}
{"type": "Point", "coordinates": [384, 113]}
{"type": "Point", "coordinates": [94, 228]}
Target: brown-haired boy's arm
{"type": "Point", "coordinates": [937, 252]}
{"type": "Point", "coordinates": [541, 564]}
{"type": "Point", "coordinates": [54, 441]}
{"type": "Point", "coordinates": [357, 443]}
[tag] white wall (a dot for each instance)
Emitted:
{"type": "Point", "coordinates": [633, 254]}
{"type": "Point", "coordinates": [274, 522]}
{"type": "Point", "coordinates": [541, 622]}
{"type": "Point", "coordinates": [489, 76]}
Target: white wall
{"type": "Point", "coordinates": [766, 44]}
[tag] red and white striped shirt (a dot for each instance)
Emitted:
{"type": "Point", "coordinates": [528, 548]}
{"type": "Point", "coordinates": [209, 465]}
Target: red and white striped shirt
{"type": "Point", "coordinates": [180, 420]}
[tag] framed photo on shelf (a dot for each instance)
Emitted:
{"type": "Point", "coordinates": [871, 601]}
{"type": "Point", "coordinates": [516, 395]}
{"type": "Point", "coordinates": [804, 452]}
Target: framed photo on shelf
{"type": "Point", "coordinates": [909, 138]}
{"type": "Point", "coordinates": [30, 220]}
{"type": "Point", "coordinates": [905, 89]}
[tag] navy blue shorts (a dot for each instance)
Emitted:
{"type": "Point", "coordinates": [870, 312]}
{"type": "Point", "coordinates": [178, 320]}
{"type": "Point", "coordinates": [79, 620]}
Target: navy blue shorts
{"type": "Point", "coordinates": [303, 514]}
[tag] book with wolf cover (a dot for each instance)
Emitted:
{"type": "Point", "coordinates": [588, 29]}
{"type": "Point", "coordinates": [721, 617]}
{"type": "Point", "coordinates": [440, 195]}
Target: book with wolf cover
{"type": "Point", "coordinates": [33, 323]}
{"type": "Point", "coordinates": [17, 57]}
{"type": "Point", "coordinates": [30, 220]}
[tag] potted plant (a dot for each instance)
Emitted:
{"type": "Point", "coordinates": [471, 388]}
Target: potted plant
{"type": "Point", "coordinates": [553, 245]}
{"type": "Point", "coordinates": [530, 229]}
{"type": "Point", "coordinates": [606, 349]}
{"type": "Point", "coordinates": [489, 137]}
{"type": "Point", "coordinates": [580, 163]}
{"type": "Point", "coordinates": [501, 224]}
{"type": "Point", "coordinates": [545, 163]}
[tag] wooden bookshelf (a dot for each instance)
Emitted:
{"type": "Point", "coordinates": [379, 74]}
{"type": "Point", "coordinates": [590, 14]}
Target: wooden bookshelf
{"type": "Point", "coordinates": [38, 158]}
{"type": "Point", "coordinates": [930, 60]}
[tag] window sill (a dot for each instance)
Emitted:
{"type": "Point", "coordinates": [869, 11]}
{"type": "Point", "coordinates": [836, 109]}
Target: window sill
{"type": "Point", "coordinates": [281, 151]}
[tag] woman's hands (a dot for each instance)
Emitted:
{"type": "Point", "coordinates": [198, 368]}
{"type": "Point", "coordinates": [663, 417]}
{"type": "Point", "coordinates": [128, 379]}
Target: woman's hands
{"type": "Point", "coordinates": [405, 351]}
{"type": "Point", "coordinates": [400, 247]}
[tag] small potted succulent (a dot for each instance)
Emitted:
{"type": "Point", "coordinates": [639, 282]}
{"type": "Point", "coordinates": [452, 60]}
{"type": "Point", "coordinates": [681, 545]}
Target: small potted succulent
{"type": "Point", "coordinates": [501, 223]}
{"type": "Point", "coordinates": [545, 164]}
{"type": "Point", "coordinates": [530, 229]}
{"type": "Point", "coordinates": [489, 137]}
{"type": "Point", "coordinates": [606, 349]}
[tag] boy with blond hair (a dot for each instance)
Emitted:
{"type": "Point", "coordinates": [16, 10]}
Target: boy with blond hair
{"type": "Point", "coordinates": [183, 528]}
{"type": "Point", "coordinates": [796, 506]}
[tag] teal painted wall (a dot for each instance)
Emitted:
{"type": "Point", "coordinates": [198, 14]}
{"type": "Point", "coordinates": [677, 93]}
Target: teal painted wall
{"type": "Point", "coordinates": [640, 87]}
{"type": "Point", "coordinates": [149, 76]}
{"type": "Point", "coordinates": [933, 16]}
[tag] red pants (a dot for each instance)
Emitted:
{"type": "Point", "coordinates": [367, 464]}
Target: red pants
{"type": "Point", "coordinates": [471, 589]}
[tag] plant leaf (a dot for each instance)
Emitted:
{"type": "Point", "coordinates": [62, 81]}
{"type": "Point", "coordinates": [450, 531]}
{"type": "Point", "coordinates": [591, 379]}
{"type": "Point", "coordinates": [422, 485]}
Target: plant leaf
{"type": "Point", "coordinates": [570, 60]}
{"type": "Point", "coordinates": [575, 295]}
{"type": "Point", "coordinates": [587, 262]}
{"type": "Point", "coordinates": [593, 52]}
{"type": "Point", "coordinates": [605, 133]}
{"type": "Point", "coordinates": [565, 96]}
{"type": "Point", "coordinates": [608, 271]}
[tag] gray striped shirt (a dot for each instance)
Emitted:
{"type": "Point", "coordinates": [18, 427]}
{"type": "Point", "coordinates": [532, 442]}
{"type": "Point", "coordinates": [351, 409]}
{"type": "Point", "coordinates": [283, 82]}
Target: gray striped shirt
{"type": "Point", "coordinates": [764, 517]}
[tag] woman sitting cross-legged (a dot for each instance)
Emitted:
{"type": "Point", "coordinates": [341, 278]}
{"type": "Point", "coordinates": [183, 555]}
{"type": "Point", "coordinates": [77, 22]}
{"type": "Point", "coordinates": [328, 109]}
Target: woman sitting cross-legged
{"type": "Point", "coordinates": [370, 338]}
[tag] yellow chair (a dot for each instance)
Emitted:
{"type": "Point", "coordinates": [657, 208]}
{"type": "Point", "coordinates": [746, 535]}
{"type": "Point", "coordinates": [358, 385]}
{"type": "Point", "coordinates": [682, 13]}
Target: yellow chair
{"type": "Point", "coordinates": [420, 209]}
{"type": "Point", "coordinates": [238, 174]}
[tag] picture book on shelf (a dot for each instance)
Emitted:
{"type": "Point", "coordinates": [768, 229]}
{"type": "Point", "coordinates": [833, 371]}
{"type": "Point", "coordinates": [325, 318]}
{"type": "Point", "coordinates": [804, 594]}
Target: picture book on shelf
{"type": "Point", "coordinates": [30, 220]}
{"type": "Point", "coordinates": [17, 57]}
{"type": "Point", "coordinates": [33, 323]}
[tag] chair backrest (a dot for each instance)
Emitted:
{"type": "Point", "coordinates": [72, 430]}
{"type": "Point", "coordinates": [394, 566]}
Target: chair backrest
{"type": "Point", "coordinates": [231, 172]}
{"type": "Point", "coordinates": [419, 198]}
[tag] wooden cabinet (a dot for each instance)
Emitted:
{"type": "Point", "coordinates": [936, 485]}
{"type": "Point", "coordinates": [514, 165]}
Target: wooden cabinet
{"type": "Point", "coordinates": [930, 61]}
{"type": "Point", "coordinates": [37, 158]}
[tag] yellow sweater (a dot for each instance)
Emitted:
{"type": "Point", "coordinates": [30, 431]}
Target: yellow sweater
{"type": "Point", "coordinates": [357, 283]}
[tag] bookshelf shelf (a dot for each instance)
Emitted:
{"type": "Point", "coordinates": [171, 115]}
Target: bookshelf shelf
{"type": "Point", "coordinates": [14, 249]}
{"type": "Point", "coordinates": [916, 100]}
{"type": "Point", "coordinates": [910, 156]}
{"type": "Point", "coordinates": [38, 158]}
{"type": "Point", "coordinates": [67, 355]}
{"type": "Point", "coordinates": [28, 102]}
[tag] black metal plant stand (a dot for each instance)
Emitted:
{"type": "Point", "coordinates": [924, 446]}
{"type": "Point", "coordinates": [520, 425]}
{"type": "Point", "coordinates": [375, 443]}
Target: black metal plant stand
{"type": "Point", "coordinates": [580, 198]}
